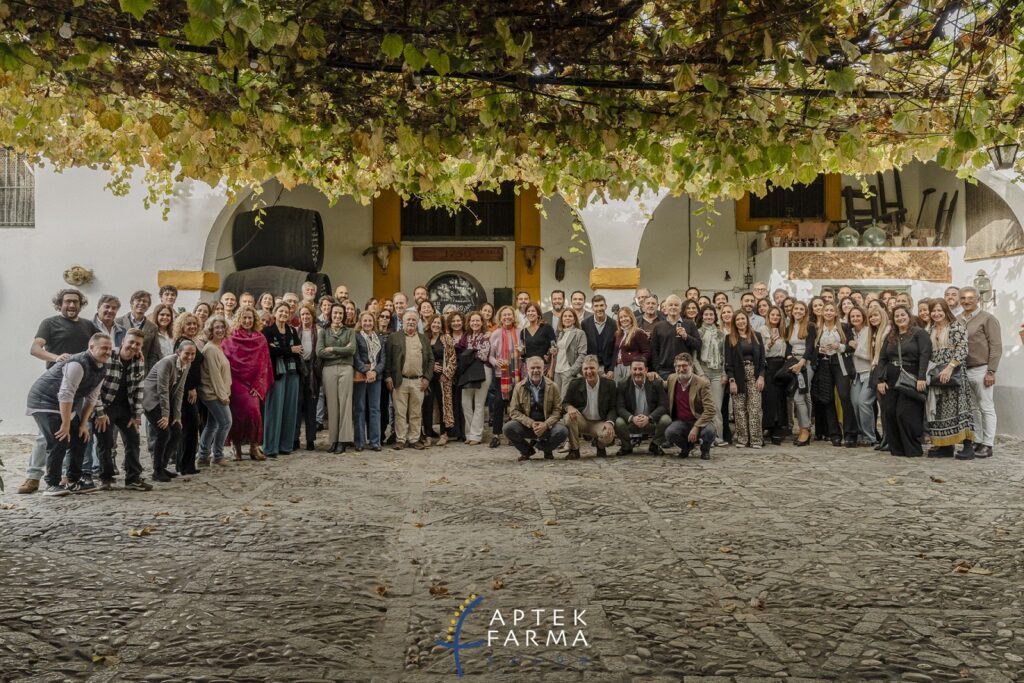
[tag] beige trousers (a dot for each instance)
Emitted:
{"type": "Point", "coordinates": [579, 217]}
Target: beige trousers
{"type": "Point", "coordinates": [337, 381]}
{"type": "Point", "coordinates": [602, 433]}
{"type": "Point", "coordinates": [408, 400]}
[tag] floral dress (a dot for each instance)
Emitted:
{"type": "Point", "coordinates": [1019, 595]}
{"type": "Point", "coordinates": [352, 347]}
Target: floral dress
{"type": "Point", "coordinates": [949, 408]}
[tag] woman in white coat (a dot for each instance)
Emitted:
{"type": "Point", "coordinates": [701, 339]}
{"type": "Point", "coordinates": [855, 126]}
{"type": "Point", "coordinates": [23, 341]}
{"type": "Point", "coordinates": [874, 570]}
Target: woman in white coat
{"type": "Point", "coordinates": [569, 349]}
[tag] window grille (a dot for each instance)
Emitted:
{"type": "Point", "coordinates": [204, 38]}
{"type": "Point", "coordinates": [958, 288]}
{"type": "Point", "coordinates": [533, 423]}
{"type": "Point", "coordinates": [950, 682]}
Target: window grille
{"type": "Point", "coordinates": [17, 191]}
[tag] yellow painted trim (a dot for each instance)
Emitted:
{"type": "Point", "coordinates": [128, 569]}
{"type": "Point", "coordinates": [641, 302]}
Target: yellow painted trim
{"type": "Point", "coordinates": [203, 280]}
{"type": "Point", "coordinates": [833, 206]}
{"type": "Point", "coordinates": [387, 227]}
{"type": "Point", "coordinates": [614, 278]}
{"type": "Point", "coordinates": [527, 233]}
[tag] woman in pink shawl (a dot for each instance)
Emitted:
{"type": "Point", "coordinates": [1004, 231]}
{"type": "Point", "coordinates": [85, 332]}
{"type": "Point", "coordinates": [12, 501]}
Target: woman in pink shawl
{"type": "Point", "coordinates": [504, 358]}
{"type": "Point", "coordinates": [251, 378]}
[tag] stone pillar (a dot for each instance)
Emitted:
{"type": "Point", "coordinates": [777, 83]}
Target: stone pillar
{"type": "Point", "coordinates": [614, 229]}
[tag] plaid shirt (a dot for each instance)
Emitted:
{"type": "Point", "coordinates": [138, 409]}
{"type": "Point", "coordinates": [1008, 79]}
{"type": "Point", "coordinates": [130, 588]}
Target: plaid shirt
{"type": "Point", "coordinates": [112, 382]}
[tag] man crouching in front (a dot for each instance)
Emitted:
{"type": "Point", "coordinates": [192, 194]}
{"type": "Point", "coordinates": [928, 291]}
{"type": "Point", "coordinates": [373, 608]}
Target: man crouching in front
{"type": "Point", "coordinates": [535, 411]}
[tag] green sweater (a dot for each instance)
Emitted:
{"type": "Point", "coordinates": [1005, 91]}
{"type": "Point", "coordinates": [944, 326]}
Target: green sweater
{"type": "Point", "coordinates": [342, 345]}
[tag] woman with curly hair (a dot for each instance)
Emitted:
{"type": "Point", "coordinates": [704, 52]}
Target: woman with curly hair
{"type": "Point", "coordinates": [251, 379]}
{"type": "Point", "coordinates": [949, 408]}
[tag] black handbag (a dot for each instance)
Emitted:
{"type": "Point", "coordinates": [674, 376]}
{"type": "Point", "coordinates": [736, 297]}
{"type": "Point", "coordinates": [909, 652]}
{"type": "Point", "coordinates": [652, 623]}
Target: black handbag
{"type": "Point", "coordinates": [955, 380]}
{"type": "Point", "coordinates": [906, 384]}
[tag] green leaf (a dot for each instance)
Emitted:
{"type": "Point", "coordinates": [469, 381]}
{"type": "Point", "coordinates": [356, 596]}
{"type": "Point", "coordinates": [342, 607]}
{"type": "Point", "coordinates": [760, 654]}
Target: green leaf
{"type": "Point", "coordinates": [710, 83]}
{"type": "Point", "coordinates": [203, 31]}
{"type": "Point", "coordinates": [206, 8]}
{"type": "Point", "coordinates": [249, 19]}
{"type": "Point", "coordinates": [965, 140]}
{"type": "Point", "coordinates": [392, 46]}
{"type": "Point", "coordinates": [842, 81]}
{"type": "Point", "coordinates": [110, 119]}
{"type": "Point", "coordinates": [413, 57]}
{"type": "Point", "coordinates": [137, 8]}
{"type": "Point", "coordinates": [161, 125]}
{"type": "Point", "coordinates": [438, 60]}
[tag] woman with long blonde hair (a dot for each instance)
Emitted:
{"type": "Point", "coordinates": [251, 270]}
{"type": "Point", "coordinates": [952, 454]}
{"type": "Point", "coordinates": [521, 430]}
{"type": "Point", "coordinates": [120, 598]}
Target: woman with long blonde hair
{"type": "Point", "coordinates": [503, 356]}
{"type": "Point", "coordinates": [631, 343]}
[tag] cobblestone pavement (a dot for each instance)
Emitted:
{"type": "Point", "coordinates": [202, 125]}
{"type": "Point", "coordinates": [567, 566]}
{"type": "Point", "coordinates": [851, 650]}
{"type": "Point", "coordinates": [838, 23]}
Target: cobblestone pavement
{"type": "Point", "coordinates": [808, 564]}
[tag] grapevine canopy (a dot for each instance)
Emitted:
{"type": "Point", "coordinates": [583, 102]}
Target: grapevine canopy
{"type": "Point", "coordinates": [437, 97]}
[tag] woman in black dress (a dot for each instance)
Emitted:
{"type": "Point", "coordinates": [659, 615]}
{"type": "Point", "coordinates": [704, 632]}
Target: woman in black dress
{"type": "Point", "coordinates": [903, 412]}
{"type": "Point", "coordinates": [537, 337]}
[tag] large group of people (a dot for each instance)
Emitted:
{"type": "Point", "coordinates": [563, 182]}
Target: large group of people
{"type": "Point", "coordinates": [264, 372]}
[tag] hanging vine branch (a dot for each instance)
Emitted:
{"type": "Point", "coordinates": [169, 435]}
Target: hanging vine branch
{"type": "Point", "coordinates": [435, 97]}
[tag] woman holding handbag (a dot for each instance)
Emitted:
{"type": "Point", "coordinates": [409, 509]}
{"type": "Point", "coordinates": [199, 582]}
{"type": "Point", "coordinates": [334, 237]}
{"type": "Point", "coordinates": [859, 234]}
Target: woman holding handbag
{"type": "Point", "coordinates": [473, 376]}
{"type": "Point", "coordinates": [949, 406]}
{"type": "Point", "coordinates": [367, 380]}
{"type": "Point", "coordinates": [775, 410]}
{"type": "Point", "coordinates": [900, 375]}
{"type": "Point", "coordinates": [831, 355]}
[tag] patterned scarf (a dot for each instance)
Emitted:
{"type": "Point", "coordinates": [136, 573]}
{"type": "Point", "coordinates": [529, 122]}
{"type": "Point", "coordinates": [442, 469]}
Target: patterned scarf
{"type": "Point", "coordinates": [509, 352]}
{"type": "Point", "coordinates": [711, 347]}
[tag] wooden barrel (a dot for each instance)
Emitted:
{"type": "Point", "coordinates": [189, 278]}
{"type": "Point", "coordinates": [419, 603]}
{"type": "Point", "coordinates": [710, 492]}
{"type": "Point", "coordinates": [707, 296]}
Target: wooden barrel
{"type": "Point", "coordinates": [288, 237]}
{"type": "Point", "coordinates": [274, 279]}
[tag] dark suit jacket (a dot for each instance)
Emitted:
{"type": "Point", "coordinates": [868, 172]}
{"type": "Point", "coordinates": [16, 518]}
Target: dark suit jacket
{"type": "Point", "coordinates": [395, 357]}
{"type": "Point", "coordinates": [601, 345]}
{"type": "Point", "coordinates": [576, 396]}
{"type": "Point", "coordinates": [657, 403]}
{"type": "Point", "coordinates": [361, 361]}
{"type": "Point", "coordinates": [150, 350]}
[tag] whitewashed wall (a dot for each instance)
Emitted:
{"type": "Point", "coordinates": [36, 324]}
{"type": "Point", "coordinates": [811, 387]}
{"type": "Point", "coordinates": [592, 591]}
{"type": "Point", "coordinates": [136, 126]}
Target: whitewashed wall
{"type": "Point", "coordinates": [78, 222]}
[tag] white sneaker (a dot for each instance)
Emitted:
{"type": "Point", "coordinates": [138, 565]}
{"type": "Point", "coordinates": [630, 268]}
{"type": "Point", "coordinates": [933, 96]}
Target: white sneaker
{"type": "Point", "coordinates": [757, 445]}
{"type": "Point", "coordinates": [51, 490]}
{"type": "Point", "coordinates": [740, 445]}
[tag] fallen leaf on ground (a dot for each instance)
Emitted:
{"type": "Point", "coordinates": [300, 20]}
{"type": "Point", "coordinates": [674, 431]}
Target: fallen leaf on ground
{"type": "Point", "coordinates": [247, 511]}
{"type": "Point", "coordinates": [144, 531]}
{"type": "Point", "coordinates": [225, 519]}
{"type": "Point", "coordinates": [498, 584]}
{"type": "Point", "coordinates": [692, 504]}
{"type": "Point", "coordinates": [729, 607]}
{"type": "Point", "coordinates": [442, 480]}
{"type": "Point", "coordinates": [725, 549]}
{"type": "Point", "coordinates": [537, 533]}
{"type": "Point", "coordinates": [418, 525]}
{"type": "Point", "coordinates": [381, 589]}
{"type": "Point", "coordinates": [890, 481]}
{"type": "Point", "coordinates": [937, 480]}
{"type": "Point", "coordinates": [486, 548]}
{"type": "Point", "coordinates": [965, 567]}
{"type": "Point", "coordinates": [294, 500]}
{"type": "Point", "coordinates": [105, 660]}
{"type": "Point", "coordinates": [551, 522]}
{"type": "Point", "coordinates": [161, 514]}
{"type": "Point", "coordinates": [439, 590]}
{"type": "Point", "coordinates": [7, 506]}
{"type": "Point", "coordinates": [263, 515]}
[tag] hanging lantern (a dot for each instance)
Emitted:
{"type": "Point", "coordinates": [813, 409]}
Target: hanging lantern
{"type": "Point", "coordinates": [1003, 156]}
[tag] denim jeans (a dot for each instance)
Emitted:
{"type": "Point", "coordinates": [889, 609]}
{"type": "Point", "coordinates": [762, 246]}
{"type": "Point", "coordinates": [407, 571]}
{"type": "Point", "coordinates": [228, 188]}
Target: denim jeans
{"type": "Point", "coordinates": [75, 446]}
{"type": "Point", "coordinates": [678, 434]}
{"type": "Point", "coordinates": [216, 431]}
{"type": "Point", "coordinates": [105, 441]}
{"type": "Point", "coordinates": [366, 413]}
{"type": "Point", "coordinates": [862, 396]}
{"type": "Point", "coordinates": [165, 440]}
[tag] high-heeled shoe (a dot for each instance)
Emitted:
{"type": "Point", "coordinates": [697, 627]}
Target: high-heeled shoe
{"type": "Point", "coordinates": [334, 447]}
{"type": "Point", "coordinates": [341, 447]}
{"type": "Point", "coordinates": [443, 440]}
{"type": "Point", "coordinates": [803, 438]}
{"type": "Point", "coordinates": [495, 442]}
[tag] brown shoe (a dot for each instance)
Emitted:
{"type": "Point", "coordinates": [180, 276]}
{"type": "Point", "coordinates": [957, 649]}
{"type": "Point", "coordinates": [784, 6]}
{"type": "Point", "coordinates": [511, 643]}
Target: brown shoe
{"type": "Point", "coordinates": [574, 454]}
{"type": "Point", "coordinates": [256, 453]}
{"type": "Point", "coordinates": [419, 445]}
{"type": "Point", "coordinates": [602, 452]}
{"type": "Point", "coordinates": [30, 486]}
{"type": "Point", "coordinates": [398, 446]}
{"type": "Point", "coordinates": [63, 481]}
{"type": "Point", "coordinates": [443, 441]}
